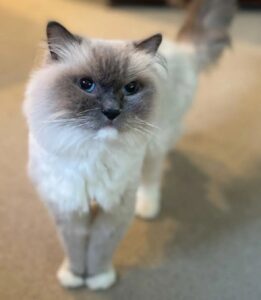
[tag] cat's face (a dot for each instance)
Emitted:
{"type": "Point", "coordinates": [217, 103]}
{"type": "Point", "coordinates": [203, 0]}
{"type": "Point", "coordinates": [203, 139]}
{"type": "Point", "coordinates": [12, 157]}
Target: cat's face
{"type": "Point", "coordinates": [97, 85]}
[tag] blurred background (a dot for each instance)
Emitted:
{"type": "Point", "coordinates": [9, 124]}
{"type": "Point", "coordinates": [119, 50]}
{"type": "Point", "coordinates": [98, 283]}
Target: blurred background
{"type": "Point", "coordinates": [206, 244]}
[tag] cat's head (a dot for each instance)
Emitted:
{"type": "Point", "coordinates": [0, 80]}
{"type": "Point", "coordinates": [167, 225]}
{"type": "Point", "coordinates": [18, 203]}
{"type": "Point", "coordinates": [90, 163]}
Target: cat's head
{"type": "Point", "coordinates": [95, 86]}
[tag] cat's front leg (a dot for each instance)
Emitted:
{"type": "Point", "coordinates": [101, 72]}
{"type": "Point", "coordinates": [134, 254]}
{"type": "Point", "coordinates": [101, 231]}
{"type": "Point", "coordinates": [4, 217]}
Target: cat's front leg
{"type": "Point", "coordinates": [72, 228]}
{"type": "Point", "coordinates": [106, 232]}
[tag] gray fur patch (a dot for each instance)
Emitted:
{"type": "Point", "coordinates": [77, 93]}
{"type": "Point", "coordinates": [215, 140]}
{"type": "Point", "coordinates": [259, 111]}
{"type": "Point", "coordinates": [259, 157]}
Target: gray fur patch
{"type": "Point", "coordinates": [111, 69]}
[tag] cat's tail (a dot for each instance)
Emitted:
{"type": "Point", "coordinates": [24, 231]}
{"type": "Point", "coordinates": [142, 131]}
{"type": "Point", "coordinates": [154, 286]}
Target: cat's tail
{"type": "Point", "coordinates": [206, 27]}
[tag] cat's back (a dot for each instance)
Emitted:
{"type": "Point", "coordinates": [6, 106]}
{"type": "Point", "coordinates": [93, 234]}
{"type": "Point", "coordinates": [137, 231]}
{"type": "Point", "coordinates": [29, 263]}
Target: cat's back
{"type": "Point", "coordinates": [178, 81]}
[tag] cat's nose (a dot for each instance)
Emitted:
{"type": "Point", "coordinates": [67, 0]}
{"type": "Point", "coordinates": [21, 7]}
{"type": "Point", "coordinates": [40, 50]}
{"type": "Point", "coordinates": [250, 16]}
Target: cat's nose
{"type": "Point", "coordinates": [111, 114]}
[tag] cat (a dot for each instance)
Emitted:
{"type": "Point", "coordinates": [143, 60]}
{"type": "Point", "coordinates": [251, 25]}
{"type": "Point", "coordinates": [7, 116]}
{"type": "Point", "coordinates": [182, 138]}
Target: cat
{"type": "Point", "coordinates": [102, 116]}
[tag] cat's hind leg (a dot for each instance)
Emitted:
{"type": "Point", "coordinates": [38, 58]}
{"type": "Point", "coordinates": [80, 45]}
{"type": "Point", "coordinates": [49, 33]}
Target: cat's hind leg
{"type": "Point", "coordinates": [148, 202]}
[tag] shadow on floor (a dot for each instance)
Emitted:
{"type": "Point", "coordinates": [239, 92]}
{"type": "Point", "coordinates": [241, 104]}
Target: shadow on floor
{"type": "Point", "coordinates": [190, 238]}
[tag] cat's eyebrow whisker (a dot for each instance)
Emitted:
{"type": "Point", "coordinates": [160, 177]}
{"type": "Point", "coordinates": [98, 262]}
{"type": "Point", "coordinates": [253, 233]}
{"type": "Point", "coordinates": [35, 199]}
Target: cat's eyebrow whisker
{"type": "Point", "coordinates": [134, 73]}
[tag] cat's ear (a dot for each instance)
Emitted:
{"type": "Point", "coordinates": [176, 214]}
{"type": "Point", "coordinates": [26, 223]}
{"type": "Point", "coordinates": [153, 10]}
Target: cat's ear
{"type": "Point", "coordinates": [58, 38]}
{"type": "Point", "coordinates": [150, 44]}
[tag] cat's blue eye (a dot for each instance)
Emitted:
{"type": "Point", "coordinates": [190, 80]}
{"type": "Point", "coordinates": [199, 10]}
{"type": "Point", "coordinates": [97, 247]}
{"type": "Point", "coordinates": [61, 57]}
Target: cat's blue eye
{"type": "Point", "coordinates": [131, 88]}
{"type": "Point", "coordinates": [87, 84]}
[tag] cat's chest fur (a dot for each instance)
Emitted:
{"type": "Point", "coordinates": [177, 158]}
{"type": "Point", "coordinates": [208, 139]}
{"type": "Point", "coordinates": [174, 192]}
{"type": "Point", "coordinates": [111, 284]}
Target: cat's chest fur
{"type": "Point", "coordinates": [72, 183]}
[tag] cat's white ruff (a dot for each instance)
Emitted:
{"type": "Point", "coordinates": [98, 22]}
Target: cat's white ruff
{"type": "Point", "coordinates": [71, 184]}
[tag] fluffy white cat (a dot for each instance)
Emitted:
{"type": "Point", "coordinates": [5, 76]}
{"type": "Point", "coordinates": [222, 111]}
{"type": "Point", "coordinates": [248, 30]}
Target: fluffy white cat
{"type": "Point", "coordinates": [102, 116]}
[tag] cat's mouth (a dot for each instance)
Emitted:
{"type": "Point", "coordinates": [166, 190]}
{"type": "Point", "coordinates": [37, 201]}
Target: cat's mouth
{"type": "Point", "coordinates": [109, 124]}
{"type": "Point", "coordinates": [112, 124]}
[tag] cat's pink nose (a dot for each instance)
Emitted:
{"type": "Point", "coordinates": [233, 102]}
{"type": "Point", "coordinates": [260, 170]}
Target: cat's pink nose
{"type": "Point", "coordinates": [111, 114]}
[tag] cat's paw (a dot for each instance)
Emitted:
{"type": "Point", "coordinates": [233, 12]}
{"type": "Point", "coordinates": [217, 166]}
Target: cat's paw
{"type": "Point", "coordinates": [148, 203]}
{"type": "Point", "coordinates": [102, 281]}
{"type": "Point", "coordinates": [67, 278]}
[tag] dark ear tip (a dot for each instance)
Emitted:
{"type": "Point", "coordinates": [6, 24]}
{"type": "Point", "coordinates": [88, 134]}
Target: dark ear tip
{"type": "Point", "coordinates": [159, 37]}
{"type": "Point", "coordinates": [150, 44]}
{"type": "Point", "coordinates": [52, 23]}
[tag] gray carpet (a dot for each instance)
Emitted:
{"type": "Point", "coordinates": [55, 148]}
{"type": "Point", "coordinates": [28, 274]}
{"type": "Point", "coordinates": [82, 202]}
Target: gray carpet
{"type": "Point", "coordinates": [206, 244]}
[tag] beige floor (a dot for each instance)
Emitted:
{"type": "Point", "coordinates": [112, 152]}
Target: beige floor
{"type": "Point", "coordinates": [206, 245]}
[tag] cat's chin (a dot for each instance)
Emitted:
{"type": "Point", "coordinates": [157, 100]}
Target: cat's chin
{"type": "Point", "coordinates": [107, 133]}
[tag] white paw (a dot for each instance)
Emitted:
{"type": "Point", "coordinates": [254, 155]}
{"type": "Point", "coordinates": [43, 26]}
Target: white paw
{"type": "Point", "coordinates": [67, 278]}
{"type": "Point", "coordinates": [148, 202]}
{"type": "Point", "coordinates": [102, 281]}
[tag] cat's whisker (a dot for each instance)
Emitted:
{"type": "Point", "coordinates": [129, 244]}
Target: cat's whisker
{"type": "Point", "coordinates": [148, 130]}
{"type": "Point", "coordinates": [81, 124]}
{"type": "Point", "coordinates": [145, 128]}
{"type": "Point", "coordinates": [58, 114]}
{"type": "Point", "coordinates": [139, 129]}
{"type": "Point", "coordinates": [86, 110]}
{"type": "Point", "coordinates": [146, 123]}
{"type": "Point", "coordinates": [61, 120]}
{"type": "Point", "coordinates": [58, 121]}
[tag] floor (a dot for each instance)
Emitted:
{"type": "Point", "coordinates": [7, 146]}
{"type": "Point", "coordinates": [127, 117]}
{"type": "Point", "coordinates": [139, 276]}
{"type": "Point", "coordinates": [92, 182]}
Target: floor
{"type": "Point", "coordinates": [206, 244]}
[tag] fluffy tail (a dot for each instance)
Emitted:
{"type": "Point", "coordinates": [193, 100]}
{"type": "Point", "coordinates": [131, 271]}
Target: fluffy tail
{"type": "Point", "coordinates": [207, 27]}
